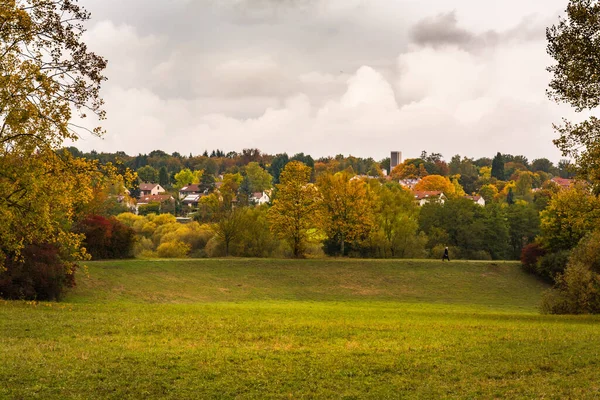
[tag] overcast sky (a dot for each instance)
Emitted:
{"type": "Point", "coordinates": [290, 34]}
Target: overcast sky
{"type": "Point", "coordinates": [325, 77]}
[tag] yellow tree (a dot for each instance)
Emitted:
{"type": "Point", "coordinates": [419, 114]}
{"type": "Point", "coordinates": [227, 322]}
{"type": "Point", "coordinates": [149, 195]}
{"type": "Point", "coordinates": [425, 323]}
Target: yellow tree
{"type": "Point", "coordinates": [571, 214]}
{"type": "Point", "coordinates": [436, 183]}
{"type": "Point", "coordinates": [296, 211]}
{"type": "Point", "coordinates": [186, 177]}
{"type": "Point", "coordinates": [47, 75]}
{"type": "Point", "coordinates": [348, 208]}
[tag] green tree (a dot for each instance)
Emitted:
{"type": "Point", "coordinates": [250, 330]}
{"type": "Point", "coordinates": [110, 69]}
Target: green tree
{"type": "Point", "coordinates": [187, 176]}
{"type": "Point", "coordinates": [510, 196]}
{"type": "Point", "coordinates": [523, 225]}
{"type": "Point", "coordinates": [574, 45]}
{"type": "Point", "coordinates": [163, 177]}
{"type": "Point", "coordinates": [496, 231]}
{"type": "Point", "coordinates": [296, 211]}
{"type": "Point", "coordinates": [277, 165]}
{"type": "Point", "coordinates": [148, 174]}
{"type": "Point", "coordinates": [397, 220]}
{"type": "Point", "coordinates": [498, 167]}
{"type": "Point", "coordinates": [259, 180]}
{"type": "Point", "coordinates": [542, 164]}
{"type": "Point", "coordinates": [227, 219]}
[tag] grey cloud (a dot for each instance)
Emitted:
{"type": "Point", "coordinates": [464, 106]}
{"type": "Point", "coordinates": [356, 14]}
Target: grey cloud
{"type": "Point", "coordinates": [443, 30]}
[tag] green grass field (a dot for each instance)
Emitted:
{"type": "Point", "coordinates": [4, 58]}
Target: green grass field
{"type": "Point", "coordinates": [297, 329]}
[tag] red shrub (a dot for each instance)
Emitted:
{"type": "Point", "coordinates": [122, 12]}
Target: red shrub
{"type": "Point", "coordinates": [530, 256]}
{"type": "Point", "coordinates": [39, 275]}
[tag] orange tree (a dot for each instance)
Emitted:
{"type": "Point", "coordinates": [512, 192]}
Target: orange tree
{"type": "Point", "coordinates": [436, 183]}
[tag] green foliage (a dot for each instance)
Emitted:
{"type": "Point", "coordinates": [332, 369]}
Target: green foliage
{"type": "Point", "coordinates": [574, 45]}
{"type": "Point", "coordinates": [186, 177]}
{"type": "Point", "coordinates": [552, 264]}
{"type": "Point", "coordinates": [163, 177]}
{"type": "Point", "coordinates": [397, 223]}
{"type": "Point", "coordinates": [587, 251]}
{"type": "Point", "coordinates": [259, 180]}
{"type": "Point", "coordinates": [498, 167]}
{"type": "Point", "coordinates": [256, 239]}
{"type": "Point", "coordinates": [577, 290]}
{"type": "Point", "coordinates": [523, 225]}
{"type": "Point", "coordinates": [147, 174]}
{"type": "Point", "coordinates": [150, 208]}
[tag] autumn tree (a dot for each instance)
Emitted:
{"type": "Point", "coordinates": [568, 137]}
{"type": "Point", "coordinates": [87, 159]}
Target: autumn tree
{"type": "Point", "coordinates": [571, 214]}
{"type": "Point", "coordinates": [436, 183]}
{"type": "Point", "coordinates": [348, 208]}
{"type": "Point", "coordinates": [574, 45]}
{"type": "Point", "coordinates": [47, 76]}
{"type": "Point", "coordinates": [296, 211]}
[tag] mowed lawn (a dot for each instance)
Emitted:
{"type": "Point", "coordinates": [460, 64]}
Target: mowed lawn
{"type": "Point", "coordinates": [297, 329]}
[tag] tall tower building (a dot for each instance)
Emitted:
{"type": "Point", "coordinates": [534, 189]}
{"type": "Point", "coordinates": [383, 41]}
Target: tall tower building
{"type": "Point", "coordinates": [395, 160]}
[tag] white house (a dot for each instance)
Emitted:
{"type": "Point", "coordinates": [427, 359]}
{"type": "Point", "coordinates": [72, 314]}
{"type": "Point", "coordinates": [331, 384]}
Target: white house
{"type": "Point", "coordinates": [477, 200]}
{"type": "Point", "coordinates": [189, 190]}
{"type": "Point", "coordinates": [260, 198]}
{"type": "Point", "coordinates": [426, 197]}
{"type": "Point", "coordinates": [151, 189]}
{"type": "Point", "coordinates": [409, 183]}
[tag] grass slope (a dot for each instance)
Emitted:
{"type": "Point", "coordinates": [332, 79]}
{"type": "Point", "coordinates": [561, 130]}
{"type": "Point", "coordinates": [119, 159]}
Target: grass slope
{"type": "Point", "coordinates": [499, 285]}
{"type": "Point", "coordinates": [297, 329]}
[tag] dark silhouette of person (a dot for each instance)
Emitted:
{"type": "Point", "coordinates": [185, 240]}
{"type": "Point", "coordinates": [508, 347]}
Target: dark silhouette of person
{"type": "Point", "coordinates": [446, 256]}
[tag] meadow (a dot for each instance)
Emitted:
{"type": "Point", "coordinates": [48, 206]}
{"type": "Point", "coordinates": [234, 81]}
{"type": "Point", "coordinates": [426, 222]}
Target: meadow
{"type": "Point", "coordinates": [245, 328]}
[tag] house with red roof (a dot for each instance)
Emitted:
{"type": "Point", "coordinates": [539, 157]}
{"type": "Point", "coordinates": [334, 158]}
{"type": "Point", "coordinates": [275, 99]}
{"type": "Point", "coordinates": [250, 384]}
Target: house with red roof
{"type": "Point", "coordinates": [563, 182]}
{"type": "Point", "coordinates": [428, 196]}
{"type": "Point", "coordinates": [151, 189]}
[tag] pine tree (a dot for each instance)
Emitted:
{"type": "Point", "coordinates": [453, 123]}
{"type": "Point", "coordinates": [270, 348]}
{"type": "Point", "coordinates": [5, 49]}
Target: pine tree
{"type": "Point", "coordinates": [498, 167]}
{"type": "Point", "coordinates": [163, 177]}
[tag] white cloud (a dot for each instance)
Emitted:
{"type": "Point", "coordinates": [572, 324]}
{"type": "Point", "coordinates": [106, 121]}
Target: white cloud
{"type": "Point", "coordinates": [311, 82]}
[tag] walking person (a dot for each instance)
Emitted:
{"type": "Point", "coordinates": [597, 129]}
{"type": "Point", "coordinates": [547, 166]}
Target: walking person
{"type": "Point", "coordinates": [446, 256]}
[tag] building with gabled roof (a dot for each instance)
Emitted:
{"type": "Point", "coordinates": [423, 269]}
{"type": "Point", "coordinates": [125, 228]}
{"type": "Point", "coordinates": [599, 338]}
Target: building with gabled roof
{"type": "Point", "coordinates": [424, 197]}
{"type": "Point", "coordinates": [151, 189]}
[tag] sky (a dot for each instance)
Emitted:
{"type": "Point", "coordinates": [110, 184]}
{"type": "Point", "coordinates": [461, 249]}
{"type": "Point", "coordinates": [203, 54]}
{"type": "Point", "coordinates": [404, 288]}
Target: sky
{"type": "Point", "coordinates": [326, 77]}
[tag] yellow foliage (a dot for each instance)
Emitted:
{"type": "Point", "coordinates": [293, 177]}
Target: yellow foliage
{"type": "Point", "coordinates": [433, 183]}
{"type": "Point", "coordinates": [175, 249]}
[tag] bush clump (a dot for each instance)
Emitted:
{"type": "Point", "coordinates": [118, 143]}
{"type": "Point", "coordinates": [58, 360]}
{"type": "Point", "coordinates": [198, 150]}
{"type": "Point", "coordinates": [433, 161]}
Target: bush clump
{"type": "Point", "coordinates": [577, 290]}
{"type": "Point", "coordinates": [38, 274]}
{"type": "Point", "coordinates": [107, 238]}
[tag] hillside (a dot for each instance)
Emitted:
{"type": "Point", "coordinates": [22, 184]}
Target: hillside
{"type": "Point", "coordinates": [255, 329]}
{"type": "Point", "coordinates": [492, 284]}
